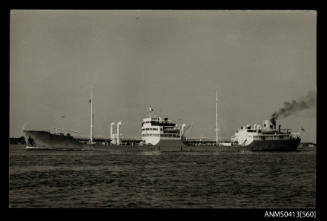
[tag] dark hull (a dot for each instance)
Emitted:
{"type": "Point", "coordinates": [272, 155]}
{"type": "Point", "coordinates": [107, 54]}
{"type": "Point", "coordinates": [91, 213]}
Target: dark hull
{"type": "Point", "coordinates": [266, 145]}
{"type": "Point", "coordinates": [167, 143]}
{"type": "Point", "coordinates": [46, 140]}
{"type": "Point", "coordinates": [275, 145]}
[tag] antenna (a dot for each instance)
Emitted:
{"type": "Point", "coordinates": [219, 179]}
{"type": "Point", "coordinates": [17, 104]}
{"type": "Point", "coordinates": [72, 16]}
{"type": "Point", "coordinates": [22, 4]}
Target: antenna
{"type": "Point", "coordinates": [150, 111]}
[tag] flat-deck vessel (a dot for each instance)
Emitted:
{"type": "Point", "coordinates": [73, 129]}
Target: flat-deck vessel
{"type": "Point", "coordinates": [162, 134]}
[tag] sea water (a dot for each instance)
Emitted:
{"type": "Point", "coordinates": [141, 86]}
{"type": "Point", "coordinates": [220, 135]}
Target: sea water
{"type": "Point", "coordinates": [95, 178]}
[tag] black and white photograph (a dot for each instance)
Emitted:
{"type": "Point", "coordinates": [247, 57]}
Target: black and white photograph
{"type": "Point", "coordinates": [171, 109]}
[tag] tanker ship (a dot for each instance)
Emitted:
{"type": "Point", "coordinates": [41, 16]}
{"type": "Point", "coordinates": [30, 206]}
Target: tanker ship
{"type": "Point", "coordinates": [162, 134]}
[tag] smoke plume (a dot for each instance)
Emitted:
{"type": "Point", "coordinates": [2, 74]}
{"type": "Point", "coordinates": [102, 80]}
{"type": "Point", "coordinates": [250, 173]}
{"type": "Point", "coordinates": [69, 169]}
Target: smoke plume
{"type": "Point", "coordinates": [290, 108]}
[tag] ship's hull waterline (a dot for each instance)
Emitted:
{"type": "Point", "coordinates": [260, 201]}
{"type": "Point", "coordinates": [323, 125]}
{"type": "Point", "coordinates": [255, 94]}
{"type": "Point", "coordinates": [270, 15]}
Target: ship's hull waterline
{"type": "Point", "coordinates": [37, 140]}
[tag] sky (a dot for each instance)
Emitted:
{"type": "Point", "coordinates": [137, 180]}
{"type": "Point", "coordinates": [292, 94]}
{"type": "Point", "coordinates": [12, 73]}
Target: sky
{"type": "Point", "coordinates": [172, 60]}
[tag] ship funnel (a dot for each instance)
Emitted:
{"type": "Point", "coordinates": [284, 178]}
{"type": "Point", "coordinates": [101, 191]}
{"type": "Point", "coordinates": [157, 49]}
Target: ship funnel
{"type": "Point", "coordinates": [273, 122]}
{"type": "Point", "coordinates": [118, 132]}
{"type": "Point", "coordinates": [112, 132]}
{"type": "Point", "coordinates": [268, 125]}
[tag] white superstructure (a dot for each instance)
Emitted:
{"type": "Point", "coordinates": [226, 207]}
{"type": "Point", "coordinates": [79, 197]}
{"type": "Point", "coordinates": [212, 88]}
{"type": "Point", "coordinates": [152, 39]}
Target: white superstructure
{"type": "Point", "coordinates": [246, 135]}
{"type": "Point", "coordinates": [156, 129]}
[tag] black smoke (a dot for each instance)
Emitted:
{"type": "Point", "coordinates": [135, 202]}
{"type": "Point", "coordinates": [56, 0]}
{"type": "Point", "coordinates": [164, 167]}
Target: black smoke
{"type": "Point", "coordinates": [295, 106]}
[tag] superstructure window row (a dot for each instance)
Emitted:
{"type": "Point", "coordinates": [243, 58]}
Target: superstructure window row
{"type": "Point", "coordinates": [160, 135]}
{"type": "Point", "coordinates": [169, 135]}
{"type": "Point", "coordinates": [149, 129]}
{"type": "Point", "coordinates": [150, 135]}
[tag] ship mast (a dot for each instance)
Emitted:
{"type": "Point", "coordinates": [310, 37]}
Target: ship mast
{"type": "Point", "coordinates": [216, 118]}
{"type": "Point", "coordinates": [150, 111]}
{"type": "Point", "coordinates": [91, 123]}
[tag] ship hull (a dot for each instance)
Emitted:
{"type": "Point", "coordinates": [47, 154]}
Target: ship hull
{"type": "Point", "coordinates": [200, 148]}
{"type": "Point", "coordinates": [174, 148]}
{"type": "Point", "coordinates": [275, 145]}
{"type": "Point", "coordinates": [46, 140]}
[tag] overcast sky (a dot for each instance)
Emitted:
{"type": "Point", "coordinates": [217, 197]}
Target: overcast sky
{"type": "Point", "coordinates": [171, 60]}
